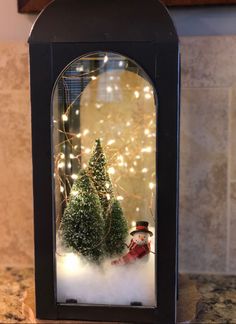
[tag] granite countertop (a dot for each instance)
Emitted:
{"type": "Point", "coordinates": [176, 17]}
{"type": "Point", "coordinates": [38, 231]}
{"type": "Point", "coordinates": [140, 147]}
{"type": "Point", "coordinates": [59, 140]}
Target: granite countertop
{"type": "Point", "coordinates": [202, 298]}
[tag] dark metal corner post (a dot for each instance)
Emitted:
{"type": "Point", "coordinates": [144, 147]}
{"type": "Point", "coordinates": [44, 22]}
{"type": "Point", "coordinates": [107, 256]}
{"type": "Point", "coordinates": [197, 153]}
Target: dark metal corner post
{"type": "Point", "coordinates": [66, 30]}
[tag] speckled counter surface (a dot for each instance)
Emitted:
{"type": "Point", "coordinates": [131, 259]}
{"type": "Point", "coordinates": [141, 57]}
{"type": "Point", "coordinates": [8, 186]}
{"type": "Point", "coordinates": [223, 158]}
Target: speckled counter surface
{"type": "Point", "coordinates": [202, 298]}
{"type": "Point", "coordinates": [13, 289]}
{"type": "Point", "coordinates": [217, 303]}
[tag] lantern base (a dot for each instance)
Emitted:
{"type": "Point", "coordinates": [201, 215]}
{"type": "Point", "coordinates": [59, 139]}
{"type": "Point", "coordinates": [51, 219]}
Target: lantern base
{"type": "Point", "coordinates": [188, 299]}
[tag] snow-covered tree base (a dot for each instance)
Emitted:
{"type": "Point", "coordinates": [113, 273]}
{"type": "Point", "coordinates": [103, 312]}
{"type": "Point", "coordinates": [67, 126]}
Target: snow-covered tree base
{"type": "Point", "coordinates": [105, 283]}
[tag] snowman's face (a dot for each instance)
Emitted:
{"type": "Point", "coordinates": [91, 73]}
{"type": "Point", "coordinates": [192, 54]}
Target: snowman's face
{"type": "Point", "coordinates": [141, 238]}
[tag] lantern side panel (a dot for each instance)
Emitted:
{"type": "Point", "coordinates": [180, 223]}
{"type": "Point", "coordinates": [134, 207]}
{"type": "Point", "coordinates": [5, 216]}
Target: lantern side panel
{"type": "Point", "coordinates": [104, 142]}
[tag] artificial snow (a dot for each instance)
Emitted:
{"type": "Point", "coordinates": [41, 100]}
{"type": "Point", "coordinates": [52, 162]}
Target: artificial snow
{"type": "Point", "coordinates": [106, 283]}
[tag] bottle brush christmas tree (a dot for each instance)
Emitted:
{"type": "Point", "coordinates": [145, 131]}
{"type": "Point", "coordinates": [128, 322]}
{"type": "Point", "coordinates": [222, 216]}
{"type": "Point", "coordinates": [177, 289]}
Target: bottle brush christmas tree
{"type": "Point", "coordinates": [97, 170]}
{"type": "Point", "coordinates": [82, 225]}
{"type": "Point", "coordinates": [116, 229]}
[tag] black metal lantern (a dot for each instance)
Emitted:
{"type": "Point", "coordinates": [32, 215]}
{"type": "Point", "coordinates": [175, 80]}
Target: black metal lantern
{"type": "Point", "coordinates": [105, 119]}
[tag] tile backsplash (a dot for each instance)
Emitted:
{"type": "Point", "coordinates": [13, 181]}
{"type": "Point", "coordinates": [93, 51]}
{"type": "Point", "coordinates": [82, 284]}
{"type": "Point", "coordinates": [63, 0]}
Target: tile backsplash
{"type": "Point", "coordinates": [207, 162]}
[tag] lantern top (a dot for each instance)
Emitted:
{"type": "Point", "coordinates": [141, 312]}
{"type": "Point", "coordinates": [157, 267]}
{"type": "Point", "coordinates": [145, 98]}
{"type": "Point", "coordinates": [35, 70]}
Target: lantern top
{"type": "Point", "coordinates": [74, 21]}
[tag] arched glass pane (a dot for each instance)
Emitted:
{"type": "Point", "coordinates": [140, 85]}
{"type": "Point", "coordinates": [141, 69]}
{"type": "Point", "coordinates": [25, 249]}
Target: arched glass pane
{"type": "Point", "coordinates": [104, 141]}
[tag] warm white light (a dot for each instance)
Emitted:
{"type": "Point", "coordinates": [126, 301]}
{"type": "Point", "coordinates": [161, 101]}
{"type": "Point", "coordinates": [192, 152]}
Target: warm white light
{"type": "Point", "coordinates": [116, 87]}
{"type": "Point", "coordinates": [121, 160]}
{"type": "Point", "coordinates": [108, 196]}
{"type": "Point", "coordinates": [72, 156]}
{"type": "Point", "coordinates": [133, 223]}
{"type": "Point", "coordinates": [107, 185]}
{"type": "Point", "coordinates": [61, 165]}
{"type": "Point", "coordinates": [62, 189]}
{"type": "Point", "coordinates": [74, 192]}
{"type": "Point", "coordinates": [84, 165]}
{"type": "Point", "coordinates": [146, 89]}
{"type": "Point", "coordinates": [147, 149]}
{"type": "Point", "coordinates": [138, 157]}
{"type": "Point", "coordinates": [131, 170]}
{"type": "Point", "coordinates": [144, 170]}
{"type": "Point", "coordinates": [85, 132]}
{"type": "Point", "coordinates": [87, 150]}
{"type": "Point", "coordinates": [111, 170]}
{"type": "Point", "coordinates": [101, 121]}
{"type": "Point", "coordinates": [105, 59]}
{"type": "Point", "coordinates": [69, 165]}
{"type": "Point", "coordinates": [151, 185]}
{"type": "Point", "coordinates": [136, 94]}
{"type": "Point", "coordinates": [64, 117]}
{"type": "Point", "coordinates": [137, 209]}
{"type": "Point", "coordinates": [146, 131]}
{"type": "Point", "coordinates": [110, 142]}
{"type": "Point", "coordinates": [111, 77]}
{"type": "Point", "coordinates": [71, 262]}
{"type": "Point", "coordinates": [148, 96]}
{"type": "Point", "coordinates": [121, 63]}
{"type": "Point", "coordinates": [78, 135]}
{"type": "Point", "coordinates": [77, 112]}
{"type": "Point", "coordinates": [135, 163]}
{"type": "Point", "coordinates": [109, 89]}
{"type": "Point", "coordinates": [132, 139]}
{"type": "Point", "coordinates": [74, 176]}
{"type": "Point", "coordinates": [120, 198]}
{"type": "Point", "coordinates": [76, 146]}
{"type": "Point", "coordinates": [93, 77]}
{"type": "Point", "coordinates": [55, 121]}
{"type": "Point", "coordinates": [98, 105]}
{"type": "Point", "coordinates": [128, 124]}
{"type": "Point", "coordinates": [62, 155]}
{"type": "Point", "coordinates": [80, 68]}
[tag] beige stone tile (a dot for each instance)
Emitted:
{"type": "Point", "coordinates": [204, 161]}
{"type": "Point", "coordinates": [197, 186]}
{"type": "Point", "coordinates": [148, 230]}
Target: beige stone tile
{"type": "Point", "coordinates": [203, 180]}
{"type": "Point", "coordinates": [14, 66]}
{"type": "Point", "coordinates": [208, 61]}
{"type": "Point", "coordinates": [16, 229]}
{"type": "Point", "coordinates": [232, 156]}
{"type": "Point", "coordinates": [232, 242]}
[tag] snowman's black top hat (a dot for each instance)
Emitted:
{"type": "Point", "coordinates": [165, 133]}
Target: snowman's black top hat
{"type": "Point", "coordinates": [141, 226]}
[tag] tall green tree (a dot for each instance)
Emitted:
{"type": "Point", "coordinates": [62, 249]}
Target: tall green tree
{"type": "Point", "coordinates": [82, 225]}
{"type": "Point", "coordinates": [116, 230]}
{"type": "Point", "coordinates": [97, 170]}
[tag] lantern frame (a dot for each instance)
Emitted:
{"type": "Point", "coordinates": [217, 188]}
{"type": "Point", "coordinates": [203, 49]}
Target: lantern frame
{"type": "Point", "coordinates": [155, 48]}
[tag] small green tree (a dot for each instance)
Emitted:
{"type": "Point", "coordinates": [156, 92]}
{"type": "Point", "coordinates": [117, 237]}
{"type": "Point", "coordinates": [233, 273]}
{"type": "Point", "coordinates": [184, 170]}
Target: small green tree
{"type": "Point", "coordinates": [116, 229]}
{"type": "Point", "coordinates": [97, 170]}
{"type": "Point", "coordinates": [82, 225]}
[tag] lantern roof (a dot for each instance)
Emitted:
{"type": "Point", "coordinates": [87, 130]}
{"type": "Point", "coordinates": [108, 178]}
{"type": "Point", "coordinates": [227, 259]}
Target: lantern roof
{"type": "Point", "coordinates": [74, 21]}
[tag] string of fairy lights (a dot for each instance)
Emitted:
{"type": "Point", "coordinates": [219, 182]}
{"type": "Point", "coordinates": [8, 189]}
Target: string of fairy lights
{"type": "Point", "coordinates": [126, 149]}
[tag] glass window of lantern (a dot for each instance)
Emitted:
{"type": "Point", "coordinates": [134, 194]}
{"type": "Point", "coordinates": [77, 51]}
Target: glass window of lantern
{"type": "Point", "coordinates": [104, 142]}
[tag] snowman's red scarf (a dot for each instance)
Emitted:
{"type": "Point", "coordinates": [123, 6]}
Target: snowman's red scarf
{"type": "Point", "coordinates": [135, 252]}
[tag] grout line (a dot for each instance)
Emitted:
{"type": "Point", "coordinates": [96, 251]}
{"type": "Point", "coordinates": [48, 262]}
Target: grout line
{"type": "Point", "coordinates": [228, 213]}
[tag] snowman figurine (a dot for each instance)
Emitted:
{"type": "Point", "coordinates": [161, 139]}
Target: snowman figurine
{"type": "Point", "coordinates": [139, 245]}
